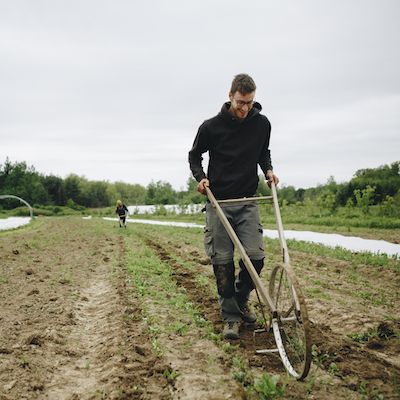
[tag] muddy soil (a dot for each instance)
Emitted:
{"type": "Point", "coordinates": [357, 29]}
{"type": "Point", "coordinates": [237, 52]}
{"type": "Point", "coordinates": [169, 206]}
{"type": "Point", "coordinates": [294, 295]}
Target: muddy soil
{"type": "Point", "coordinates": [73, 325]}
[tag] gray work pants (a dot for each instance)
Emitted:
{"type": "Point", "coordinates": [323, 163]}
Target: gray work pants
{"type": "Point", "coordinates": [245, 221]}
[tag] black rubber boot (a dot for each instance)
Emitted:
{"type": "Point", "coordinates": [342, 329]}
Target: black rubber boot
{"type": "Point", "coordinates": [244, 285]}
{"type": "Point", "coordinates": [225, 277]}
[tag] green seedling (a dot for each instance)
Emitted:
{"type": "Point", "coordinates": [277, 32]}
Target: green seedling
{"type": "Point", "coordinates": [230, 348]}
{"type": "Point", "coordinates": [170, 375]}
{"type": "Point", "coordinates": [269, 387]}
{"type": "Point", "coordinates": [178, 327]}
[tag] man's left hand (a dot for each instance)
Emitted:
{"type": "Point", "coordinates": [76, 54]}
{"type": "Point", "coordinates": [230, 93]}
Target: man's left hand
{"type": "Point", "coordinates": [271, 177]}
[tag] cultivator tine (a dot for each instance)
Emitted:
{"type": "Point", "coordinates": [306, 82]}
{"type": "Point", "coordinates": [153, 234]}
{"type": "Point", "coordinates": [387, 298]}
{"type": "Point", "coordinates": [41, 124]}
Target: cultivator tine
{"type": "Point", "coordinates": [265, 330]}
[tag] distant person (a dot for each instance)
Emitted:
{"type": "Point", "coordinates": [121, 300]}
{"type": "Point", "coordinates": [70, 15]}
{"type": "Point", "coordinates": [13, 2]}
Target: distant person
{"type": "Point", "coordinates": [122, 212]}
{"type": "Point", "coordinates": [237, 140]}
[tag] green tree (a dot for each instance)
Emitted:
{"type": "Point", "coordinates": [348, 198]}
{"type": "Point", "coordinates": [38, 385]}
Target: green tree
{"type": "Point", "coordinates": [55, 189]}
{"type": "Point", "coordinates": [262, 189]}
{"type": "Point", "coordinates": [364, 198]}
{"type": "Point", "coordinates": [385, 179]}
{"type": "Point", "coordinates": [96, 194]}
{"type": "Point", "coordinates": [160, 193]}
{"type": "Point", "coordinates": [20, 180]}
{"type": "Point", "coordinates": [130, 194]}
{"type": "Point", "coordinates": [72, 184]}
{"type": "Point", "coordinates": [190, 195]}
{"type": "Point", "coordinates": [289, 194]}
{"type": "Point", "coordinates": [327, 201]}
{"type": "Point", "coordinates": [388, 207]}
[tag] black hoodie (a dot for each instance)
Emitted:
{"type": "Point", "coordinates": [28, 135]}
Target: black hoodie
{"type": "Point", "coordinates": [236, 148]}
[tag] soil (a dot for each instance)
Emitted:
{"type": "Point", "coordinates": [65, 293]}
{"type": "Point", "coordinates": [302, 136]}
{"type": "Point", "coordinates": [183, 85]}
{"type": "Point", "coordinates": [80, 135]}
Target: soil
{"type": "Point", "coordinates": [73, 325]}
{"type": "Point", "coordinates": [66, 326]}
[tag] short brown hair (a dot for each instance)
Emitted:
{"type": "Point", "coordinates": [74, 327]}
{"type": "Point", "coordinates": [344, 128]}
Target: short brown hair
{"type": "Point", "coordinates": [243, 84]}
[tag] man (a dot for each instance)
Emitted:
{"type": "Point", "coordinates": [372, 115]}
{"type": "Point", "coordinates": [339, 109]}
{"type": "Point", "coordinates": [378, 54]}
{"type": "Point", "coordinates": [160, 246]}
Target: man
{"type": "Point", "coordinates": [237, 140]}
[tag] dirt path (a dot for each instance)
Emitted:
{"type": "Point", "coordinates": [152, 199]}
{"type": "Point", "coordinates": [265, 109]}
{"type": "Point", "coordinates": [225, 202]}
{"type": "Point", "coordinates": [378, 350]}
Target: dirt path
{"type": "Point", "coordinates": [95, 337]}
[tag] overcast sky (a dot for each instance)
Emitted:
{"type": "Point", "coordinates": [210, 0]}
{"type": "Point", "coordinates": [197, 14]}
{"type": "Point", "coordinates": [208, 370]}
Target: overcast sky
{"type": "Point", "coordinates": [115, 90]}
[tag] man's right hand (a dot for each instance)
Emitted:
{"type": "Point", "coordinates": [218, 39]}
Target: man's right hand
{"type": "Point", "coordinates": [201, 187]}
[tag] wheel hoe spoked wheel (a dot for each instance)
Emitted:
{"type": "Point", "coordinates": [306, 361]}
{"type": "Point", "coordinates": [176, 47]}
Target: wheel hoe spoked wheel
{"type": "Point", "coordinates": [290, 325]}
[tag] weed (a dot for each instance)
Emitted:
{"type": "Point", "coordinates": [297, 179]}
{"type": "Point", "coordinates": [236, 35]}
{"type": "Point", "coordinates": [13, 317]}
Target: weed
{"type": "Point", "coordinates": [211, 335]}
{"type": "Point", "coordinates": [377, 396]}
{"type": "Point", "coordinates": [23, 362]}
{"type": "Point", "coordinates": [32, 244]}
{"type": "Point", "coordinates": [3, 279]}
{"type": "Point", "coordinates": [178, 327]}
{"type": "Point", "coordinates": [230, 348]}
{"type": "Point", "coordinates": [170, 375]}
{"type": "Point", "coordinates": [314, 291]}
{"type": "Point", "coordinates": [365, 295]}
{"type": "Point", "coordinates": [318, 293]}
{"type": "Point", "coordinates": [199, 320]}
{"type": "Point", "coordinates": [141, 286]}
{"type": "Point", "coordinates": [153, 330]}
{"type": "Point", "coordinates": [241, 372]}
{"type": "Point", "coordinates": [202, 281]}
{"type": "Point", "coordinates": [310, 383]}
{"type": "Point", "coordinates": [334, 369]}
{"type": "Point", "coordinates": [363, 336]}
{"type": "Point", "coordinates": [353, 276]}
{"type": "Point", "coordinates": [212, 359]}
{"type": "Point", "coordinates": [156, 348]}
{"type": "Point", "coordinates": [375, 298]}
{"type": "Point", "coordinates": [319, 358]}
{"type": "Point", "coordinates": [269, 387]}
{"type": "Point", "coordinates": [390, 317]}
{"type": "Point", "coordinates": [362, 388]}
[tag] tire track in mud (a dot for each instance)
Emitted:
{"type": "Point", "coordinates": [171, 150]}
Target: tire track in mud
{"type": "Point", "coordinates": [357, 365]}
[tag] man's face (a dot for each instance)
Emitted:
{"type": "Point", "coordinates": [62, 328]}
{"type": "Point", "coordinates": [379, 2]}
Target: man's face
{"type": "Point", "coordinates": [241, 104]}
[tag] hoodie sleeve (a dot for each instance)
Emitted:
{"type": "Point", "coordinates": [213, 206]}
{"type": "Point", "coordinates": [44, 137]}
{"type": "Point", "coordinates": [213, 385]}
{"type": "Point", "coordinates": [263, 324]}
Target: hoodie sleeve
{"type": "Point", "coordinates": [265, 154]}
{"type": "Point", "coordinates": [200, 146]}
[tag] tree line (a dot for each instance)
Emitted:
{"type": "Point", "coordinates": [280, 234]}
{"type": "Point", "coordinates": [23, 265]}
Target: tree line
{"type": "Point", "coordinates": [368, 187]}
{"type": "Point", "coordinates": [19, 179]}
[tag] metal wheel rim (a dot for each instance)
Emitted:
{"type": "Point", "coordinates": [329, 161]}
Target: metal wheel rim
{"type": "Point", "coordinates": [279, 326]}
